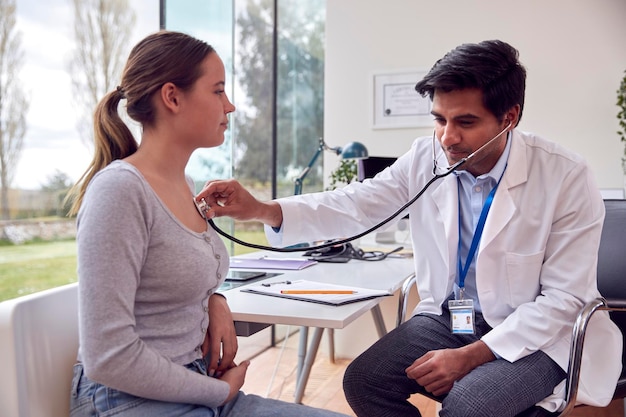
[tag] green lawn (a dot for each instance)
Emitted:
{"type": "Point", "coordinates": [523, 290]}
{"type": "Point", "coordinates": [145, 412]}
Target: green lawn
{"type": "Point", "coordinates": [33, 267]}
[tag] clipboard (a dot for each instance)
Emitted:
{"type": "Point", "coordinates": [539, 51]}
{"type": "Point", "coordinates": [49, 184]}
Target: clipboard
{"type": "Point", "coordinates": [276, 290]}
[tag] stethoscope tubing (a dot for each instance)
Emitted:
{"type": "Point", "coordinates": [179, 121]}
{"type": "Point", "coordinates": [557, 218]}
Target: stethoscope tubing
{"type": "Point", "coordinates": [435, 177]}
{"type": "Point", "coordinates": [344, 240]}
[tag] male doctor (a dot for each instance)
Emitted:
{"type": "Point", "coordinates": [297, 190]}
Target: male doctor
{"type": "Point", "coordinates": [505, 252]}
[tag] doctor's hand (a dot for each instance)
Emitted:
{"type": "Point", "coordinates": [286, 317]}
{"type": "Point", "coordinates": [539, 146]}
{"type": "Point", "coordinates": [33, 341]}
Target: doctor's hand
{"type": "Point", "coordinates": [230, 198]}
{"type": "Point", "coordinates": [437, 370]}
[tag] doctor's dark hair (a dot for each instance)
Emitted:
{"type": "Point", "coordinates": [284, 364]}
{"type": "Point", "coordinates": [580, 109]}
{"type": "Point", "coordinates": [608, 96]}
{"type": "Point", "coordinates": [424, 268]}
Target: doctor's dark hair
{"type": "Point", "coordinates": [160, 58]}
{"type": "Point", "coordinates": [491, 66]}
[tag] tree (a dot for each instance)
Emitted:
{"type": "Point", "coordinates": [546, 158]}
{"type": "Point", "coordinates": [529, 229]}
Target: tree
{"type": "Point", "coordinates": [13, 102]}
{"type": "Point", "coordinates": [55, 188]}
{"type": "Point", "coordinates": [300, 95]}
{"type": "Point", "coordinates": [102, 29]}
{"type": "Point", "coordinates": [252, 146]}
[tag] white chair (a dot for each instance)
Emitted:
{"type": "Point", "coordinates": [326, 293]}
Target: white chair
{"type": "Point", "coordinates": [38, 347]}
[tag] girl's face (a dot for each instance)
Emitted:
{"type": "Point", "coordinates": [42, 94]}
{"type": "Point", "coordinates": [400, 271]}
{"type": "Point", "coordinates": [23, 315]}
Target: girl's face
{"type": "Point", "coordinates": [206, 106]}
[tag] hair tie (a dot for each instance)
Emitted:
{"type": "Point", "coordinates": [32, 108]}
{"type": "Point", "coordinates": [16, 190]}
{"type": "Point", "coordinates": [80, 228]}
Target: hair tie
{"type": "Point", "coordinates": [121, 91]}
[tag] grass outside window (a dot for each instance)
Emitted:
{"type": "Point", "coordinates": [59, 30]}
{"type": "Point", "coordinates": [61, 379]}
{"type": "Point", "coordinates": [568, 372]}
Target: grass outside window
{"type": "Point", "coordinates": [33, 267]}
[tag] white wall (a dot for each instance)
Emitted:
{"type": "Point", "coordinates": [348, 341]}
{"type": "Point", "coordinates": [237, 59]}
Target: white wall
{"type": "Point", "coordinates": [574, 52]}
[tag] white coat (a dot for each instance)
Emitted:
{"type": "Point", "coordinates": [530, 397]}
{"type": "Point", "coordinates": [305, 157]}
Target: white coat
{"type": "Point", "coordinates": [537, 259]}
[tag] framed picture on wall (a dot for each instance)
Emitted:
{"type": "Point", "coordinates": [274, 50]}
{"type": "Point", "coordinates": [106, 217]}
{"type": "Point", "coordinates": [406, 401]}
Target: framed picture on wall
{"type": "Point", "coordinates": [396, 104]}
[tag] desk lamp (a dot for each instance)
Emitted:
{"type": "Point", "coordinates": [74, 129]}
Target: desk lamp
{"type": "Point", "coordinates": [353, 150]}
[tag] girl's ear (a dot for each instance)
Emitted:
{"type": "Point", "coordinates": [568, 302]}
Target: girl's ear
{"type": "Point", "coordinates": [170, 96]}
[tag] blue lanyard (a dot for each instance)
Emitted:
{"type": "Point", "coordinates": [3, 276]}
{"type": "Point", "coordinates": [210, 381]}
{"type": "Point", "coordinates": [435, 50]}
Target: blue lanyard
{"type": "Point", "coordinates": [477, 234]}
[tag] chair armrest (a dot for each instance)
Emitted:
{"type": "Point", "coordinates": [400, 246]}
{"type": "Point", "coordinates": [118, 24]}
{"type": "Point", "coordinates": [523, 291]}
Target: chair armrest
{"type": "Point", "coordinates": [615, 304]}
{"type": "Point", "coordinates": [402, 301]}
{"type": "Point", "coordinates": [576, 350]}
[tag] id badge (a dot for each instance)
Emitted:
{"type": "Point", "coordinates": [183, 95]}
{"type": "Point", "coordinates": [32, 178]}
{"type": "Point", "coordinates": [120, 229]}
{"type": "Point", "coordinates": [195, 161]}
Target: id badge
{"type": "Point", "coordinates": [461, 316]}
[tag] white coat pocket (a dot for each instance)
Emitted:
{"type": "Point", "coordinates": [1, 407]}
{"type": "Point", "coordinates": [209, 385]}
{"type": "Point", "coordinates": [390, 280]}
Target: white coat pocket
{"type": "Point", "coordinates": [523, 272]}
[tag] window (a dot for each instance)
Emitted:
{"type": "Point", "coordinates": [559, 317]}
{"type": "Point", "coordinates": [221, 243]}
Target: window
{"type": "Point", "coordinates": [274, 54]}
{"type": "Point", "coordinates": [37, 248]}
{"type": "Point", "coordinates": [273, 51]}
{"type": "Point", "coordinates": [274, 57]}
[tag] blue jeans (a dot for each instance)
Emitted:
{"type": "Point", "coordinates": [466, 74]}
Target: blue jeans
{"type": "Point", "coordinates": [91, 399]}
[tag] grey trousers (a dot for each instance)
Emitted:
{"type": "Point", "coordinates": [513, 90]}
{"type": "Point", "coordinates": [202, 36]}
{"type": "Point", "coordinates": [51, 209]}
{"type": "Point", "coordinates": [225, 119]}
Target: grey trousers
{"type": "Point", "coordinates": [375, 383]}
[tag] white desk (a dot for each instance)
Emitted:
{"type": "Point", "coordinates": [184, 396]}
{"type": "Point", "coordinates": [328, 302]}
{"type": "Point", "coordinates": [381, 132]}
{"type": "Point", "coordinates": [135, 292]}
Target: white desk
{"type": "Point", "coordinates": [387, 275]}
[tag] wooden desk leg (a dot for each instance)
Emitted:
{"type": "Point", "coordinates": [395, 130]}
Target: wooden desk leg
{"type": "Point", "coordinates": [308, 364]}
{"type": "Point", "coordinates": [379, 321]}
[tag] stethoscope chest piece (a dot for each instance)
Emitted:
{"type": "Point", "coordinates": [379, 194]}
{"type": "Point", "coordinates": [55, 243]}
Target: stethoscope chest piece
{"type": "Point", "coordinates": [202, 207]}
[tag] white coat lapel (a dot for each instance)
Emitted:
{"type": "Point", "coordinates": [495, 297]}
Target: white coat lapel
{"type": "Point", "coordinates": [504, 206]}
{"type": "Point", "coordinates": [445, 198]}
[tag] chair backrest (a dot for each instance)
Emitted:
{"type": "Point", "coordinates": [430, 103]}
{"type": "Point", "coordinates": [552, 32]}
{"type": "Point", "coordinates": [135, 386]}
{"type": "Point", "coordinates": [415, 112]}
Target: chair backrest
{"type": "Point", "coordinates": [38, 346]}
{"type": "Point", "coordinates": [612, 270]}
{"type": "Point", "coordinates": [612, 254]}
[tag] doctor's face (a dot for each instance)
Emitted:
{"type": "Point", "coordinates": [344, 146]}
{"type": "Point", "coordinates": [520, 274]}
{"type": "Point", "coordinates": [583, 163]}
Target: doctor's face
{"type": "Point", "coordinates": [463, 124]}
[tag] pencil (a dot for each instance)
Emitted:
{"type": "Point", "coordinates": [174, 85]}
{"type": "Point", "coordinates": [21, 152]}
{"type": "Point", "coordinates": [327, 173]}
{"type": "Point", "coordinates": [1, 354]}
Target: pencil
{"type": "Point", "coordinates": [318, 292]}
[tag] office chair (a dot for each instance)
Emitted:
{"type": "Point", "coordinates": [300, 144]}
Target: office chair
{"type": "Point", "coordinates": [611, 284]}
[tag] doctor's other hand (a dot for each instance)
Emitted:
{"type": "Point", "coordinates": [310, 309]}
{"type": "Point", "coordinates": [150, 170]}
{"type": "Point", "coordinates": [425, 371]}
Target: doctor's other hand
{"type": "Point", "coordinates": [230, 198]}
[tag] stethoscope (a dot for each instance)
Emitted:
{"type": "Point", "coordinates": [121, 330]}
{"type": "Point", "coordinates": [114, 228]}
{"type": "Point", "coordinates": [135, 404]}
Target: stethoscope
{"type": "Point", "coordinates": [202, 205]}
